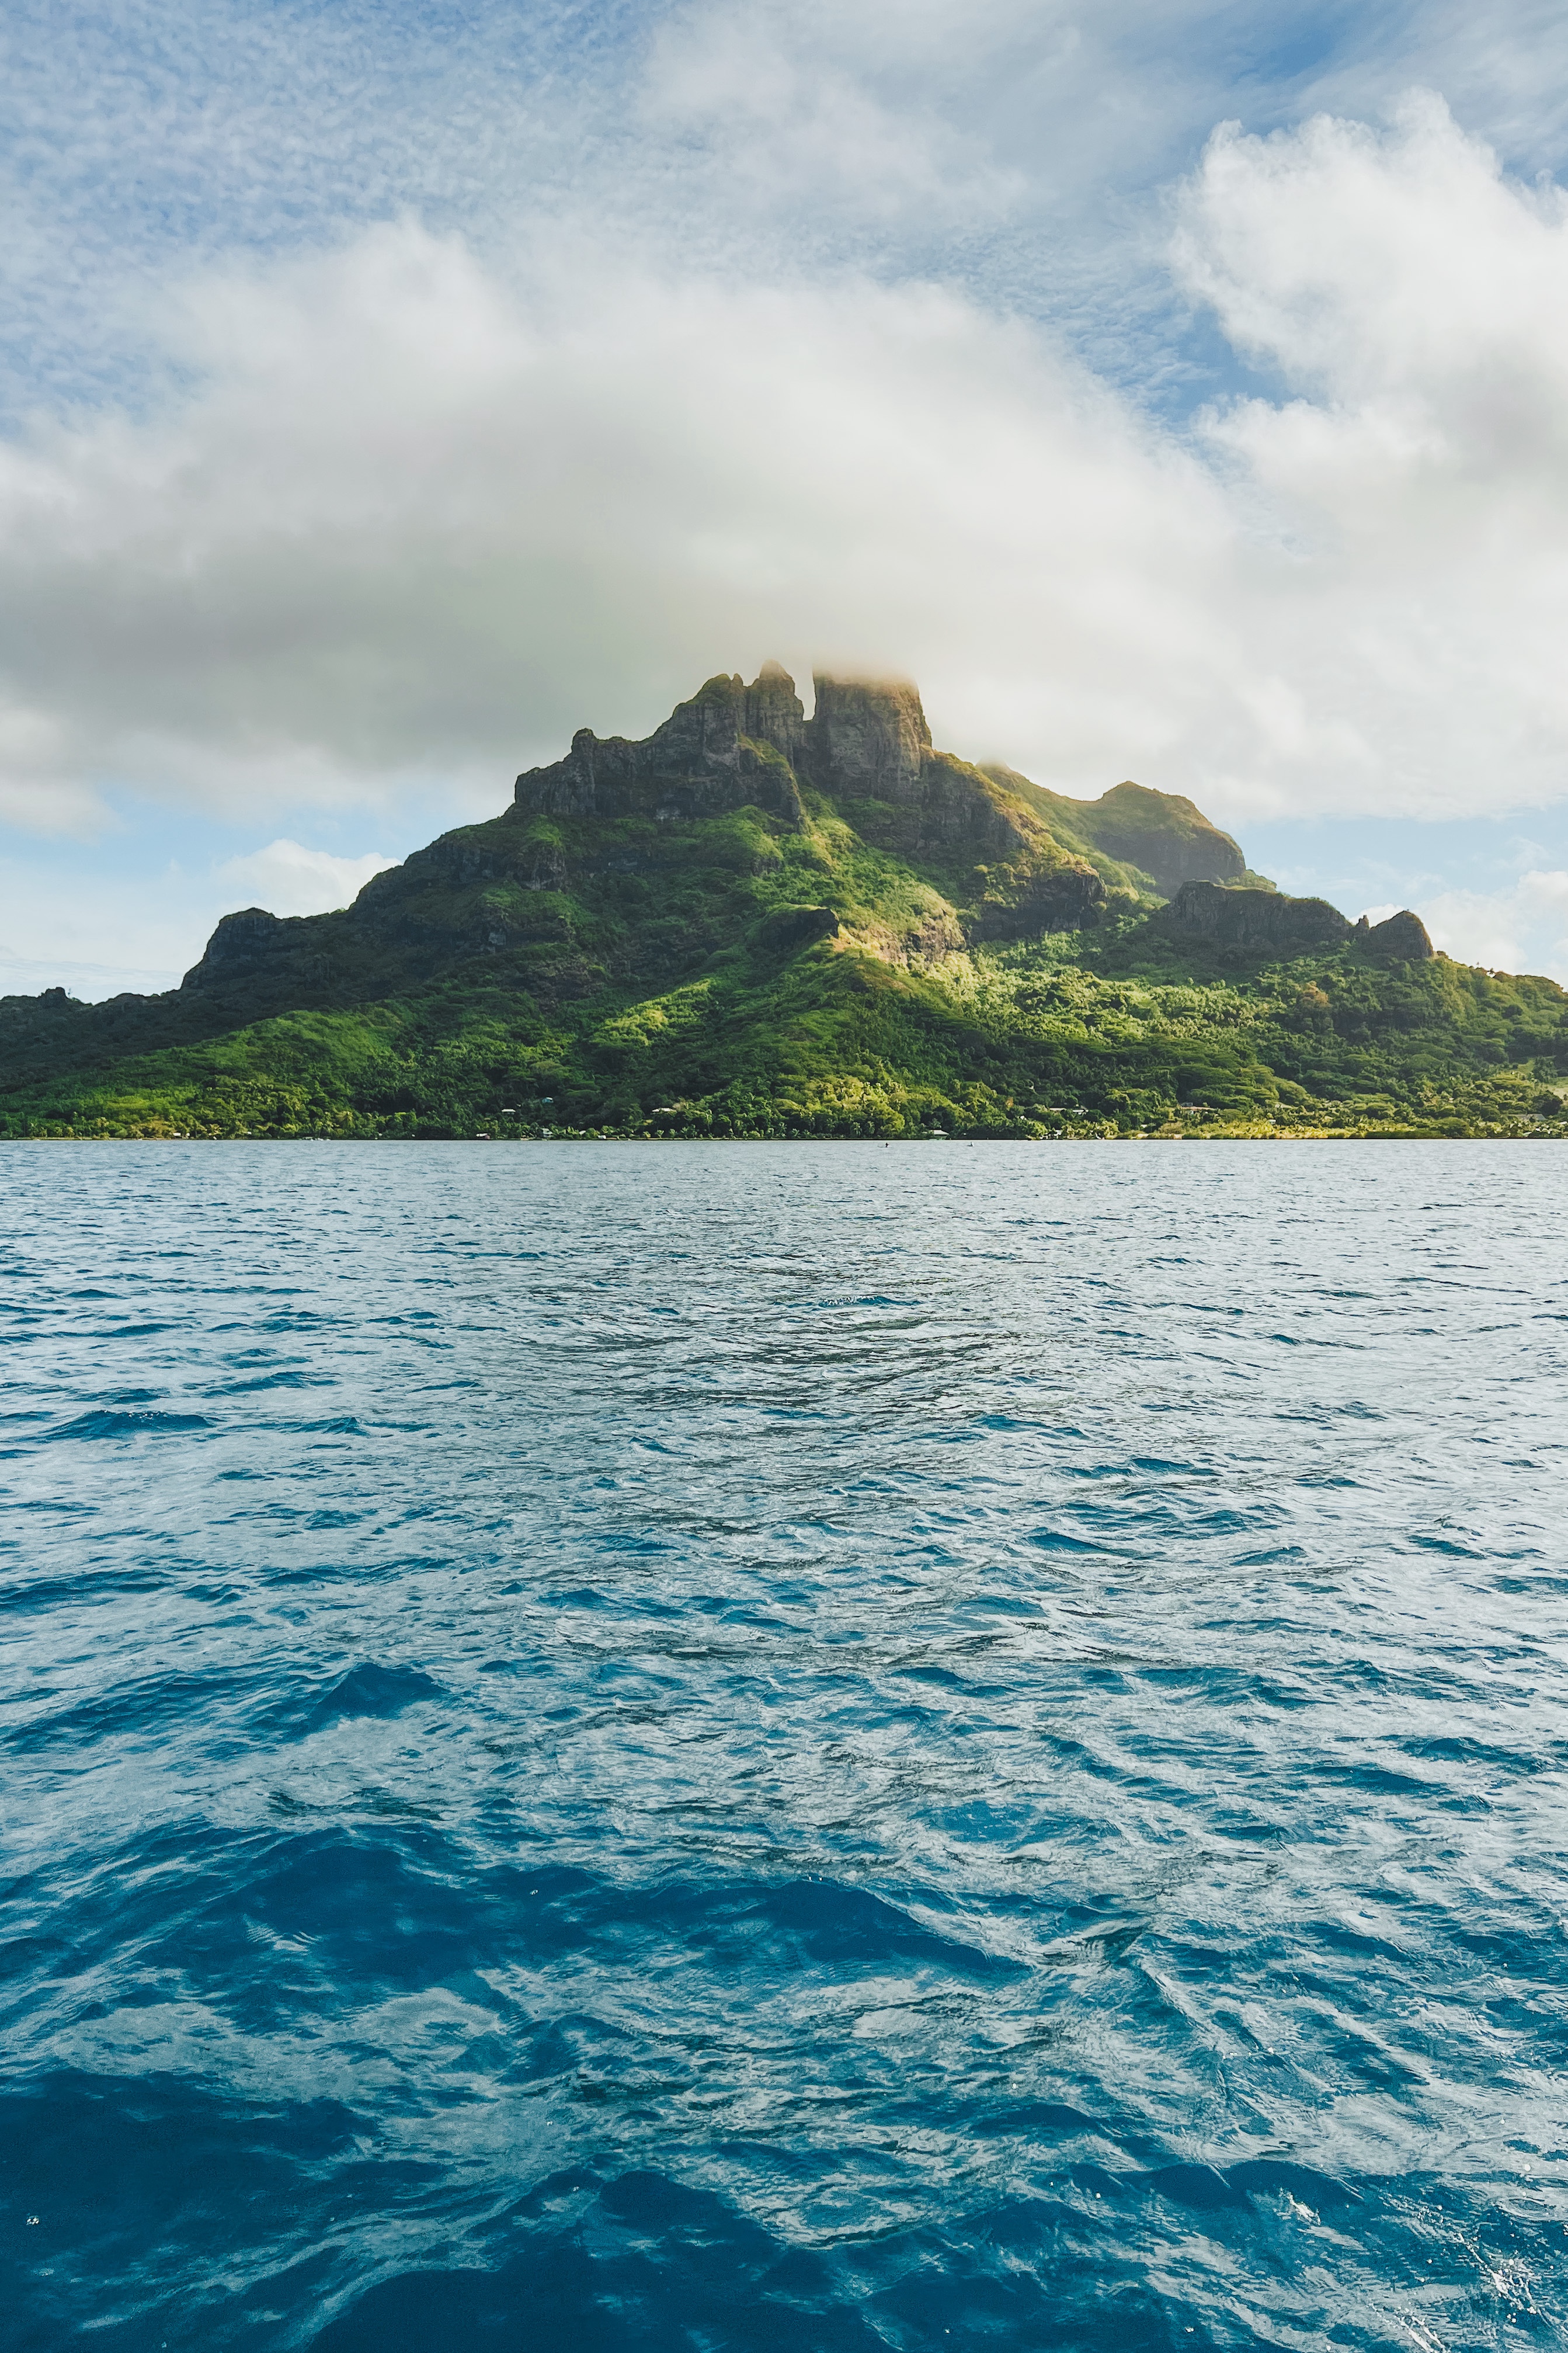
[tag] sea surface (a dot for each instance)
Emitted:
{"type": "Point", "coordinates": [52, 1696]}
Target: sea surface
{"type": "Point", "coordinates": [785, 1747]}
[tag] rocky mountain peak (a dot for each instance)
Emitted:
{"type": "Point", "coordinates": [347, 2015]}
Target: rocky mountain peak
{"type": "Point", "coordinates": [773, 712]}
{"type": "Point", "coordinates": [867, 743]}
{"type": "Point", "coordinates": [700, 762]}
{"type": "Point", "coordinates": [866, 738]}
{"type": "Point", "coordinates": [869, 737]}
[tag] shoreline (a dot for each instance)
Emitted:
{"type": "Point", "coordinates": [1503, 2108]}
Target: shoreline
{"type": "Point", "coordinates": [1439, 1132]}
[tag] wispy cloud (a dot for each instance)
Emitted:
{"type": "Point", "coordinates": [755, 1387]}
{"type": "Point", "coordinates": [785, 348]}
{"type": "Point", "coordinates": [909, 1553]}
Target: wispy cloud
{"type": "Point", "coordinates": [1523, 928]}
{"type": "Point", "coordinates": [287, 879]}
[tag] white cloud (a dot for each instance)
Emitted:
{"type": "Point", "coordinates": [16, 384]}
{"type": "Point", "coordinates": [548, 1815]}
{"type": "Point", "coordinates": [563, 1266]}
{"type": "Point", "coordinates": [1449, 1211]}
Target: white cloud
{"type": "Point", "coordinates": [33, 792]}
{"type": "Point", "coordinates": [412, 520]}
{"type": "Point", "coordinates": [289, 880]}
{"type": "Point", "coordinates": [1386, 267]}
{"type": "Point", "coordinates": [1521, 928]}
{"type": "Point", "coordinates": [413, 523]}
{"type": "Point", "coordinates": [1419, 302]}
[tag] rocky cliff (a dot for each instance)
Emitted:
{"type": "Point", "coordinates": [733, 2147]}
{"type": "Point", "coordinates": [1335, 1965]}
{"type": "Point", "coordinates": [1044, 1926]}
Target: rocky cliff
{"type": "Point", "coordinates": [734, 747]}
{"type": "Point", "coordinates": [729, 747]}
{"type": "Point", "coordinates": [866, 748]}
{"type": "Point", "coordinates": [1267, 923]}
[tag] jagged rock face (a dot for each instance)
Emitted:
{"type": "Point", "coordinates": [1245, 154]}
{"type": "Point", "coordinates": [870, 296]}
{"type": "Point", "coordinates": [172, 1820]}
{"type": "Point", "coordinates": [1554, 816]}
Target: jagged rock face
{"type": "Point", "coordinates": [1059, 899]}
{"type": "Point", "coordinates": [248, 938]}
{"type": "Point", "coordinates": [867, 739]}
{"type": "Point", "coordinates": [954, 811]}
{"type": "Point", "coordinates": [867, 747]}
{"type": "Point", "coordinates": [265, 961]}
{"type": "Point", "coordinates": [1256, 919]}
{"type": "Point", "coordinates": [703, 761]}
{"type": "Point", "coordinates": [1269, 920]}
{"type": "Point", "coordinates": [1402, 937]}
{"type": "Point", "coordinates": [44, 1015]}
{"type": "Point", "coordinates": [774, 713]}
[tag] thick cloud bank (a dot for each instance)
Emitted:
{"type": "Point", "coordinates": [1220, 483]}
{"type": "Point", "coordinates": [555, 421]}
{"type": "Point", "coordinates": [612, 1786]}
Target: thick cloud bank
{"type": "Point", "coordinates": [1417, 307]}
{"type": "Point", "coordinates": [417, 521]}
{"type": "Point", "coordinates": [415, 517]}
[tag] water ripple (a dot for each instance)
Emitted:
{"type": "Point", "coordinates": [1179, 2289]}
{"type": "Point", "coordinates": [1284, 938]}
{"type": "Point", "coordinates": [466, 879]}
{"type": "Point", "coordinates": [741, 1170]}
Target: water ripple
{"type": "Point", "coordinates": [816, 1748]}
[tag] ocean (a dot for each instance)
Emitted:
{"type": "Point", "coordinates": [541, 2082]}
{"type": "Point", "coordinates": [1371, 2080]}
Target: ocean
{"type": "Point", "coordinates": [799, 1746]}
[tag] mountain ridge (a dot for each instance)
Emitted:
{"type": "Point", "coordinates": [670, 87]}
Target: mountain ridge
{"type": "Point", "coordinates": [757, 922]}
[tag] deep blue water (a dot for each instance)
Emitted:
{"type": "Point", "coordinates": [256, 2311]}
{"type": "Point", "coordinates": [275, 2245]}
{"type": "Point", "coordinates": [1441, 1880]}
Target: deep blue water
{"type": "Point", "coordinates": [785, 1746]}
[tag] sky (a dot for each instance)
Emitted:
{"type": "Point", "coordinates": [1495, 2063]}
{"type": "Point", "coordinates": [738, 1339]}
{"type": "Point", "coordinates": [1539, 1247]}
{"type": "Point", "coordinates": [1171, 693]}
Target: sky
{"type": "Point", "coordinates": [388, 389]}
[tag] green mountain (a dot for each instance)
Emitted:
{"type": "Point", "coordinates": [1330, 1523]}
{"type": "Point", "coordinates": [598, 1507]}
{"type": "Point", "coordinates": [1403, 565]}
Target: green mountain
{"type": "Point", "coordinates": [757, 923]}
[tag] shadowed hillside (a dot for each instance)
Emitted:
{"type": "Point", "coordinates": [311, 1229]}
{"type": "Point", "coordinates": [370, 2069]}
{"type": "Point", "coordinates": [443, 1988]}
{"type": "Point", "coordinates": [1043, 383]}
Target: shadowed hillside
{"type": "Point", "coordinates": [757, 923]}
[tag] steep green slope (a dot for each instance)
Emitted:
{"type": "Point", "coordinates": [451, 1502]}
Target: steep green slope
{"type": "Point", "coordinates": [1159, 840]}
{"type": "Point", "coordinates": [757, 923]}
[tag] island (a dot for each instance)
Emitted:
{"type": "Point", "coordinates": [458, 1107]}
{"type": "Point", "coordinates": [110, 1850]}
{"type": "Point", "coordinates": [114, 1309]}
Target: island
{"type": "Point", "coordinates": [756, 924]}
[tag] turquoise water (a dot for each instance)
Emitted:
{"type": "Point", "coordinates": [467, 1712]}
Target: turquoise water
{"type": "Point", "coordinates": [785, 1747]}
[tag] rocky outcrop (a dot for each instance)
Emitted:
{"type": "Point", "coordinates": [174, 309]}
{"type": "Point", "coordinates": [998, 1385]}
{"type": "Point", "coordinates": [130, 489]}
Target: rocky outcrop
{"type": "Point", "coordinates": [240, 943]}
{"type": "Point", "coordinates": [265, 963]}
{"type": "Point", "coordinates": [703, 762]}
{"type": "Point", "coordinates": [1398, 939]}
{"type": "Point", "coordinates": [735, 745]}
{"type": "Point", "coordinates": [48, 1003]}
{"type": "Point", "coordinates": [867, 742]}
{"type": "Point", "coordinates": [774, 713]}
{"type": "Point", "coordinates": [1049, 899]}
{"type": "Point", "coordinates": [1256, 919]}
{"type": "Point", "coordinates": [789, 929]}
{"type": "Point", "coordinates": [1270, 922]}
{"type": "Point", "coordinates": [867, 739]}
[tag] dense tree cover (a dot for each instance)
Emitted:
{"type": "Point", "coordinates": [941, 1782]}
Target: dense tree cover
{"type": "Point", "coordinates": [744, 975]}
